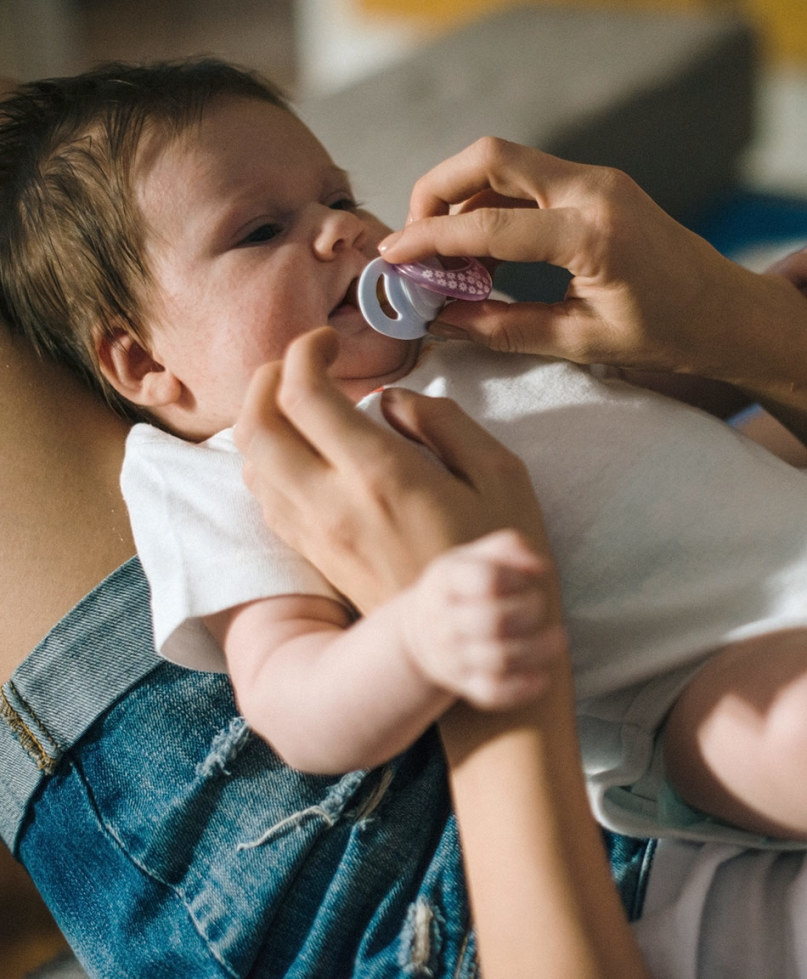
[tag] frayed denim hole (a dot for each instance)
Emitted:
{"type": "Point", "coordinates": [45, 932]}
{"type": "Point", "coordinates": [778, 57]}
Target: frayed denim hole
{"type": "Point", "coordinates": [224, 748]}
{"type": "Point", "coordinates": [367, 810]}
{"type": "Point", "coordinates": [420, 940]}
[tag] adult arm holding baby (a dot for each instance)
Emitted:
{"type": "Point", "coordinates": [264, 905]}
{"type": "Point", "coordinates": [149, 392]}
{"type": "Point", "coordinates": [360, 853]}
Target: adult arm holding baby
{"type": "Point", "coordinates": [645, 294]}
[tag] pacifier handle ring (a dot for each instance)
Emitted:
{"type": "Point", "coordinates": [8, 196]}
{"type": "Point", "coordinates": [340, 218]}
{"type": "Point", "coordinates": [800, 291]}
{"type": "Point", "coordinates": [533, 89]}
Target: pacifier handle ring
{"type": "Point", "coordinates": [412, 290]}
{"type": "Point", "coordinates": [414, 306]}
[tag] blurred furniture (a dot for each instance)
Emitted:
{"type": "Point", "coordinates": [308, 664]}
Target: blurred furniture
{"type": "Point", "coordinates": [666, 97]}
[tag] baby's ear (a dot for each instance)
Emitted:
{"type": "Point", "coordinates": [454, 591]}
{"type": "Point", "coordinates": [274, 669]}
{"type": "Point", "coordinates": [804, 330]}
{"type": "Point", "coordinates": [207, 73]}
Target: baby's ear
{"type": "Point", "coordinates": [131, 370]}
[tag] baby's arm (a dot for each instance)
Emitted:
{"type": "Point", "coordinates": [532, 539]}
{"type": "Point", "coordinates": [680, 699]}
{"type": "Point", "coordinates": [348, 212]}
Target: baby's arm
{"type": "Point", "coordinates": [332, 695]}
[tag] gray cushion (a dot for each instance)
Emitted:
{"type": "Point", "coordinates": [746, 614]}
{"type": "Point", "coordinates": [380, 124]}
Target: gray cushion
{"type": "Point", "coordinates": [666, 97]}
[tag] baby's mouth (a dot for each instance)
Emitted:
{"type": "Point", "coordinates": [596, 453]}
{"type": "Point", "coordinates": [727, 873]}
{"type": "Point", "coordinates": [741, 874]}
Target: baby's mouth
{"type": "Point", "coordinates": [352, 295]}
{"type": "Point", "coordinates": [350, 300]}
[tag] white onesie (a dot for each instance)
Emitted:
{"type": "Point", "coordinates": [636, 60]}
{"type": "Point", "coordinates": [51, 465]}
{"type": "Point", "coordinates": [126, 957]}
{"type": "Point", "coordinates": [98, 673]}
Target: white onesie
{"type": "Point", "coordinates": [673, 534]}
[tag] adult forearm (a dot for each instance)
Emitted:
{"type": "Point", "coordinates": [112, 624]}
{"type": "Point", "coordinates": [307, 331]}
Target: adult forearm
{"type": "Point", "coordinates": [543, 900]}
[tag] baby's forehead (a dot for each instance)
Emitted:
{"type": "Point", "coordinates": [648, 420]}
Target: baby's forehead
{"type": "Point", "coordinates": [240, 139]}
{"type": "Point", "coordinates": [190, 131]}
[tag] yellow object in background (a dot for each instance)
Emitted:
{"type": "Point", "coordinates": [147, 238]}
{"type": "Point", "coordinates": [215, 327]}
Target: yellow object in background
{"type": "Point", "coordinates": [434, 13]}
{"type": "Point", "coordinates": [782, 23]}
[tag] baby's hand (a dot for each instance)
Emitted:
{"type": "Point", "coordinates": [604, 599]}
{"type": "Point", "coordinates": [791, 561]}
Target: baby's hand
{"type": "Point", "coordinates": [484, 622]}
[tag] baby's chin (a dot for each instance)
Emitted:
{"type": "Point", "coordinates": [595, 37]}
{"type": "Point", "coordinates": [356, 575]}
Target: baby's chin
{"type": "Point", "coordinates": [370, 361]}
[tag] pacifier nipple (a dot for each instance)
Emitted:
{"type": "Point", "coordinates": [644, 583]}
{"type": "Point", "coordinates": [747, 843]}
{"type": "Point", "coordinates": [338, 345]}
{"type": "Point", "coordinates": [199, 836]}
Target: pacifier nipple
{"type": "Point", "coordinates": [401, 300]}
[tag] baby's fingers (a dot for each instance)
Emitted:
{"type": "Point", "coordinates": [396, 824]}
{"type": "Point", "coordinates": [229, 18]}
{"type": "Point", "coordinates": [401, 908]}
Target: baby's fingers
{"type": "Point", "coordinates": [522, 670]}
{"type": "Point", "coordinates": [501, 565]}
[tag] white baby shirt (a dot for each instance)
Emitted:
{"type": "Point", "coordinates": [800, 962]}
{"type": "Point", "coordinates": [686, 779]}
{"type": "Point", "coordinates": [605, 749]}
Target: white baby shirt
{"type": "Point", "coordinates": [202, 541]}
{"type": "Point", "coordinates": [673, 535]}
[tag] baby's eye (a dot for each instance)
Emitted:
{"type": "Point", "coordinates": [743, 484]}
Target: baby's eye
{"type": "Point", "coordinates": [264, 232]}
{"type": "Point", "coordinates": [345, 203]}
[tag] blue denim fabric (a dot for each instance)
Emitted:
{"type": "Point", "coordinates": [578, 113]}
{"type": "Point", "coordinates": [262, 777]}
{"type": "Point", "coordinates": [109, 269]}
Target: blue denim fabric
{"type": "Point", "coordinates": [170, 842]}
{"type": "Point", "coordinates": [631, 860]}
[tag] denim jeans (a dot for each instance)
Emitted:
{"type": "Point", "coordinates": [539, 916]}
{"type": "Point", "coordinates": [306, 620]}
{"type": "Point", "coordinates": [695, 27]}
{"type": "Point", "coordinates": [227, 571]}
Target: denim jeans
{"type": "Point", "coordinates": [168, 841]}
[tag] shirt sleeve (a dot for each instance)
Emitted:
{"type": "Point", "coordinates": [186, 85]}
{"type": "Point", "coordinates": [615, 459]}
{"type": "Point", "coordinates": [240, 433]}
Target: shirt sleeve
{"type": "Point", "coordinates": [202, 541]}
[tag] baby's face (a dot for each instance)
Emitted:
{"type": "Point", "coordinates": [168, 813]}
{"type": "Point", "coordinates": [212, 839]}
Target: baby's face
{"type": "Point", "coordinates": [253, 237]}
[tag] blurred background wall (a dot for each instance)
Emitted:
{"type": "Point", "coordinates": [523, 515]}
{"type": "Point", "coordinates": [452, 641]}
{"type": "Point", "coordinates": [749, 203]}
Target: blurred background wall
{"type": "Point", "coordinates": [391, 26]}
{"type": "Point", "coordinates": [305, 41]}
{"type": "Point", "coordinates": [314, 46]}
{"type": "Point", "coordinates": [341, 40]}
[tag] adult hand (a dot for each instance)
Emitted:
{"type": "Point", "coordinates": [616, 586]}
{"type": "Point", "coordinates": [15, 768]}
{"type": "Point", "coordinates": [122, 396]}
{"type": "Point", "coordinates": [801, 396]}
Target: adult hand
{"type": "Point", "coordinates": [369, 508]}
{"type": "Point", "coordinates": [645, 293]}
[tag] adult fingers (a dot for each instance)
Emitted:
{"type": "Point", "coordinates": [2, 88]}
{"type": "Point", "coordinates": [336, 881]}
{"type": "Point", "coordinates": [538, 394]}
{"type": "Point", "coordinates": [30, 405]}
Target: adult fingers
{"type": "Point", "coordinates": [506, 168]}
{"type": "Point", "coordinates": [466, 449]}
{"type": "Point", "coordinates": [276, 456]}
{"type": "Point", "coordinates": [497, 477]}
{"type": "Point", "coordinates": [563, 236]}
{"type": "Point", "coordinates": [259, 406]}
{"type": "Point", "coordinates": [569, 329]}
{"type": "Point", "coordinates": [324, 416]}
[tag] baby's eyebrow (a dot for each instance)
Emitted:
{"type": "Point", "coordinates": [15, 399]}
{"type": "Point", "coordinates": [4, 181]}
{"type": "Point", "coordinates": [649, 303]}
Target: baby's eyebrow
{"type": "Point", "coordinates": [339, 173]}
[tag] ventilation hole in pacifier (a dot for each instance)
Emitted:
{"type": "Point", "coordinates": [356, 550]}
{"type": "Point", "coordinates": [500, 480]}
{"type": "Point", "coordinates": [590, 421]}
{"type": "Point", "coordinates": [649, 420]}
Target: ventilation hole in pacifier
{"type": "Point", "coordinates": [383, 300]}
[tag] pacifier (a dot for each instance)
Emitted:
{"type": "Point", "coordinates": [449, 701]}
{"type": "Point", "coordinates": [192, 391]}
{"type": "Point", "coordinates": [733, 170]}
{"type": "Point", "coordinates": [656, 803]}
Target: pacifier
{"type": "Point", "coordinates": [401, 300]}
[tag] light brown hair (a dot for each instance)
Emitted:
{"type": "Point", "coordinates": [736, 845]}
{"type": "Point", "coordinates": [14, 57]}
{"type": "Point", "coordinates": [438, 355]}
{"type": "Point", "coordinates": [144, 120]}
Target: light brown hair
{"type": "Point", "coordinates": [72, 256]}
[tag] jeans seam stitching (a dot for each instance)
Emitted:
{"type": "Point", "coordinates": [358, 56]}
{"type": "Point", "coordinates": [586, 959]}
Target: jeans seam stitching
{"type": "Point", "coordinates": [46, 762]}
{"type": "Point", "coordinates": [148, 872]}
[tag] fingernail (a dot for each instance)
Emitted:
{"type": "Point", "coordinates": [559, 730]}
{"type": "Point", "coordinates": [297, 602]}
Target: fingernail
{"type": "Point", "coordinates": [389, 241]}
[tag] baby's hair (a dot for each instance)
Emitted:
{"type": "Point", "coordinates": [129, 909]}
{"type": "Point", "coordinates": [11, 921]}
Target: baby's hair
{"type": "Point", "coordinates": [72, 256]}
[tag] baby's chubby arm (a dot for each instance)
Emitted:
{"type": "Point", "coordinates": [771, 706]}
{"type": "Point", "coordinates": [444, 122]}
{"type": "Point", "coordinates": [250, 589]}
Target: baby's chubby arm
{"type": "Point", "coordinates": [332, 695]}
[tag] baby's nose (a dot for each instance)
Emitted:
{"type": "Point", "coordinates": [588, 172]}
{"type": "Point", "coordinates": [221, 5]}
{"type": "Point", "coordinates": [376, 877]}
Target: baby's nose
{"type": "Point", "coordinates": [337, 230]}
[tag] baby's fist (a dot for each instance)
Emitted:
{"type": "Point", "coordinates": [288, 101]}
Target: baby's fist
{"type": "Point", "coordinates": [485, 622]}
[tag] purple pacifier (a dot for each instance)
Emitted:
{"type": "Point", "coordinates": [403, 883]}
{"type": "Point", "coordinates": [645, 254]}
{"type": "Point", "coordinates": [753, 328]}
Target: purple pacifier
{"type": "Point", "coordinates": [401, 300]}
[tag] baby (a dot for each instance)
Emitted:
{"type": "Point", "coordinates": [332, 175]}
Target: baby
{"type": "Point", "coordinates": [167, 230]}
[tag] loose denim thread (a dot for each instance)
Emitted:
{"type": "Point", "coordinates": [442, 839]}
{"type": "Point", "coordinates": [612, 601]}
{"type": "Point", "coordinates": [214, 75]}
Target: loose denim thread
{"type": "Point", "coordinates": [364, 814]}
{"type": "Point", "coordinates": [474, 965]}
{"type": "Point", "coordinates": [329, 810]}
{"type": "Point", "coordinates": [224, 748]}
{"type": "Point", "coordinates": [420, 940]}
{"type": "Point", "coordinates": [45, 762]}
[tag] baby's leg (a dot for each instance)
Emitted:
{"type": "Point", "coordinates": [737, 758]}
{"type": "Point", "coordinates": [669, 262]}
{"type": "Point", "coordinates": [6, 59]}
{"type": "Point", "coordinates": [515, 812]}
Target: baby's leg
{"type": "Point", "coordinates": [736, 741]}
